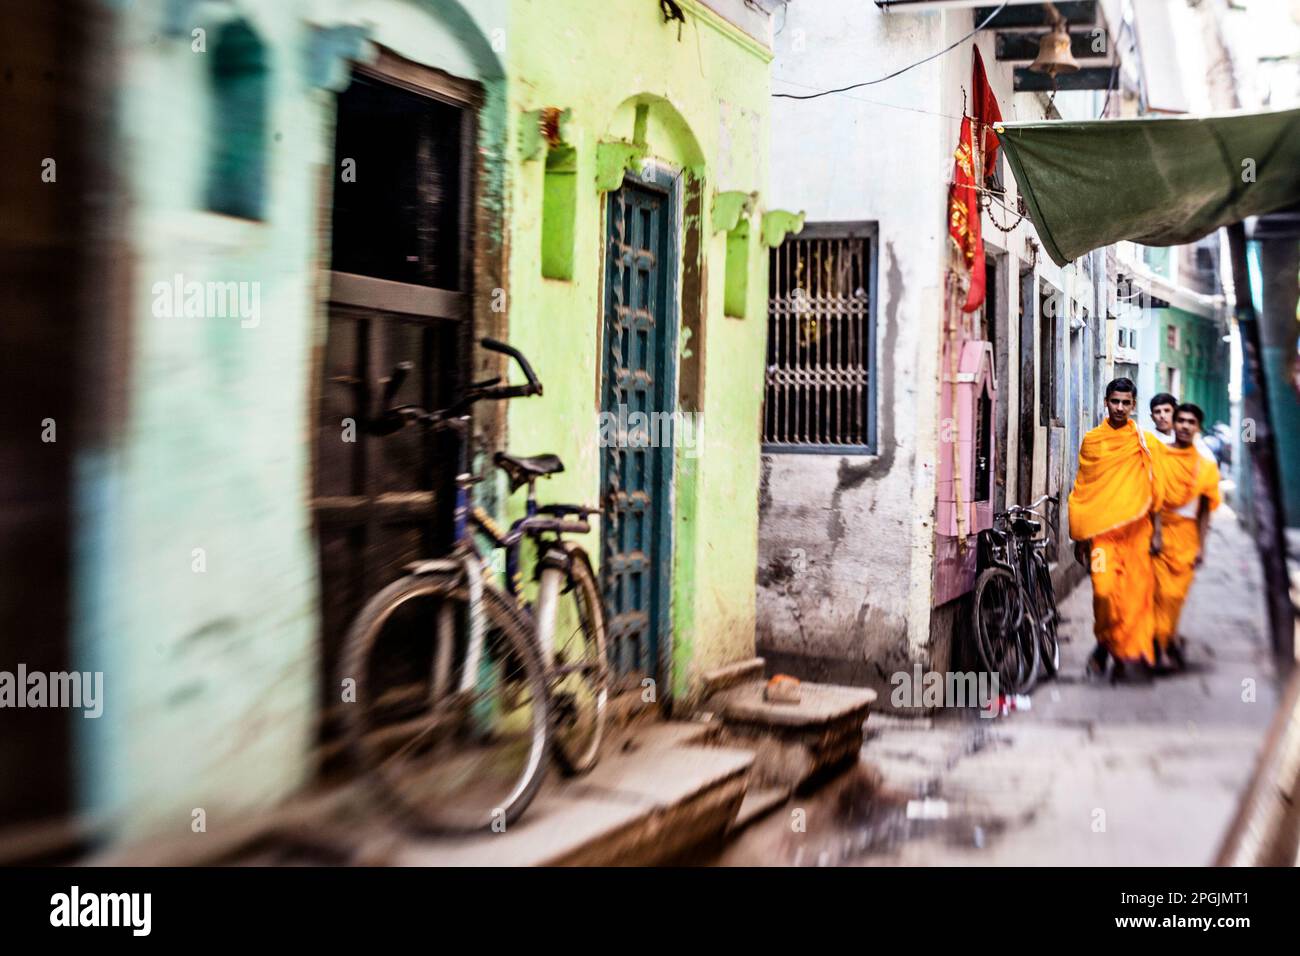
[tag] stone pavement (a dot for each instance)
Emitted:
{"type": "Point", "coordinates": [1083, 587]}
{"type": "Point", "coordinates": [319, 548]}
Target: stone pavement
{"type": "Point", "coordinates": [1093, 774]}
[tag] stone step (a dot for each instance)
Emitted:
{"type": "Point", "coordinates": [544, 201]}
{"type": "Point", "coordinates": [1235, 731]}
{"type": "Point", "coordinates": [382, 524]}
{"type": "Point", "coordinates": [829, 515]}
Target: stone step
{"type": "Point", "coordinates": [758, 803]}
{"type": "Point", "coordinates": [820, 705]}
{"type": "Point", "coordinates": [652, 802]}
{"type": "Point", "coordinates": [638, 808]}
{"type": "Point", "coordinates": [730, 675]}
{"type": "Point", "coordinates": [794, 743]}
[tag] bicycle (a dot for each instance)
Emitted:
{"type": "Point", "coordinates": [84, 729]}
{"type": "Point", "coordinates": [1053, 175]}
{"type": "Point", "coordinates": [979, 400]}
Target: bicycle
{"type": "Point", "coordinates": [457, 731]}
{"type": "Point", "coordinates": [1016, 619]}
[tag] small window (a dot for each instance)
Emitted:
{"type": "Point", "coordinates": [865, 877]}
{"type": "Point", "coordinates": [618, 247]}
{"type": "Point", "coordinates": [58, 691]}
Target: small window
{"type": "Point", "coordinates": [237, 169]}
{"type": "Point", "coordinates": [820, 376]}
{"type": "Point", "coordinates": [1171, 336]}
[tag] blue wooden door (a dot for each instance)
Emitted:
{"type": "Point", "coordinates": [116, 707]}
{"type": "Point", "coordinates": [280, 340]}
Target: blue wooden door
{"type": "Point", "coordinates": [636, 465]}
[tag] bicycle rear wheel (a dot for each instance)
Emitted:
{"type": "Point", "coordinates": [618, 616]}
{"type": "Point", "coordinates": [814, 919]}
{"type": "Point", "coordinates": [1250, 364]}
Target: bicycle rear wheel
{"type": "Point", "coordinates": [451, 754]}
{"type": "Point", "coordinates": [1045, 597]}
{"type": "Point", "coordinates": [578, 678]}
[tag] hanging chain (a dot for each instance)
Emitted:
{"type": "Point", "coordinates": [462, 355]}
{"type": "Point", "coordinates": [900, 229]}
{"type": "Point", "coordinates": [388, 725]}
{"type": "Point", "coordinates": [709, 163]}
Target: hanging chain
{"type": "Point", "coordinates": [986, 201]}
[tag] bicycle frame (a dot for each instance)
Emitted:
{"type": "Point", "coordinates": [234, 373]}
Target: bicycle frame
{"type": "Point", "coordinates": [466, 558]}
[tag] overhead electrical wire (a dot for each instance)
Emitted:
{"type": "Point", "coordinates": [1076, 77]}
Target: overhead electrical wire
{"type": "Point", "coordinates": [844, 89]}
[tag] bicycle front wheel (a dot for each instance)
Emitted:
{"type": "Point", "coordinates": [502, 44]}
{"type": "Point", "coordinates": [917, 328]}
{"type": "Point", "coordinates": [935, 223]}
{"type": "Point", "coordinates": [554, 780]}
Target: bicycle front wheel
{"type": "Point", "coordinates": [455, 740]}
{"type": "Point", "coordinates": [1030, 651]}
{"type": "Point", "coordinates": [999, 620]}
{"type": "Point", "coordinates": [579, 674]}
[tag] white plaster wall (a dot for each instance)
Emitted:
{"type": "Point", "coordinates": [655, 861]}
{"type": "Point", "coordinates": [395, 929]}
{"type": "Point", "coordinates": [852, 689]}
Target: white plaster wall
{"type": "Point", "coordinates": [846, 541]}
{"type": "Point", "coordinates": [852, 522]}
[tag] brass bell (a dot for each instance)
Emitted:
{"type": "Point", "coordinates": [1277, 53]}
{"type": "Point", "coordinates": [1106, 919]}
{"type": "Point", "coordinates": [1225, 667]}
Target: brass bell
{"type": "Point", "coordinates": [1054, 56]}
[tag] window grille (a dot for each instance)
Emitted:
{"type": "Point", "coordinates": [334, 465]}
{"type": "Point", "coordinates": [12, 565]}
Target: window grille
{"type": "Point", "coordinates": [820, 382]}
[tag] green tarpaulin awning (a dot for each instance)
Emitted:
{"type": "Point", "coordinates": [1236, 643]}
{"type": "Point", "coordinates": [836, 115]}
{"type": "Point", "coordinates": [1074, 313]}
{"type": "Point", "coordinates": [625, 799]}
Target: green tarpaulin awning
{"type": "Point", "coordinates": [1159, 182]}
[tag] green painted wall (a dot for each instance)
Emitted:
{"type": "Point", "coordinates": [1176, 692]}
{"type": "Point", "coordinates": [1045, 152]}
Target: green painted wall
{"type": "Point", "coordinates": [707, 98]}
{"type": "Point", "coordinates": [1202, 358]}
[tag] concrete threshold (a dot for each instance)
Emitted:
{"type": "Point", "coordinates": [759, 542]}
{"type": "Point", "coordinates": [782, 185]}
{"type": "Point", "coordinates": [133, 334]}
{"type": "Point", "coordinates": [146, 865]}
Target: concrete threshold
{"type": "Point", "coordinates": [648, 804]}
{"type": "Point", "coordinates": [659, 792]}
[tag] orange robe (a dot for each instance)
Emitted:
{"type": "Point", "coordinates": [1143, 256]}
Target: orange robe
{"type": "Point", "coordinates": [1184, 476]}
{"type": "Point", "coordinates": [1111, 503]}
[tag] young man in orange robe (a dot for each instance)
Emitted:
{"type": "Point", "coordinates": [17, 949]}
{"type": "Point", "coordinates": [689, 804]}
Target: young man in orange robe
{"type": "Point", "coordinates": [1111, 508]}
{"type": "Point", "coordinates": [1189, 487]}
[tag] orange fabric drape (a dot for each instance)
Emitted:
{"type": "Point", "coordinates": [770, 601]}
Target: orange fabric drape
{"type": "Point", "coordinates": [1184, 476]}
{"type": "Point", "coordinates": [1115, 483]}
{"type": "Point", "coordinates": [1110, 505]}
{"type": "Point", "coordinates": [1123, 591]}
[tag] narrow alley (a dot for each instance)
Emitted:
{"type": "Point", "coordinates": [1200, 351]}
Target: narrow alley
{"type": "Point", "coordinates": [1091, 775]}
{"type": "Point", "coordinates": [518, 435]}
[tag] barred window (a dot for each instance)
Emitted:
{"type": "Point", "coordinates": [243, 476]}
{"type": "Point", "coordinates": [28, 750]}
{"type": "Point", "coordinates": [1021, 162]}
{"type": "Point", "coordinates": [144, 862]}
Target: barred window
{"type": "Point", "coordinates": [821, 349]}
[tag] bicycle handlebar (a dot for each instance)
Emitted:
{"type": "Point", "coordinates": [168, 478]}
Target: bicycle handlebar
{"type": "Point", "coordinates": [1030, 508]}
{"type": "Point", "coordinates": [394, 383]}
{"type": "Point", "coordinates": [393, 417]}
{"type": "Point", "coordinates": [534, 387]}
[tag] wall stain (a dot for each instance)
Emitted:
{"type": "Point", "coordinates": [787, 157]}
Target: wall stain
{"type": "Point", "coordinates": [217, 627]}
{"type": "Point", "coordinates": [835, 527]}
{"type": "Point", "coordinates": [852, 476]}
{"type": "Point", "coordinates": [184, 693]}
{"type": "Point", "coordinates": [764, 484]}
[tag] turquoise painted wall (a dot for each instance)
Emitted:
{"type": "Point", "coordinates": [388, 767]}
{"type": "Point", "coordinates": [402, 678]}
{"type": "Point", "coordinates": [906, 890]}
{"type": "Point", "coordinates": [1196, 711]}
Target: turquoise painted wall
{"type": "Point", "coordinates": [197, 587]}
{"type": "Point", "coordinates": [1279, 330]}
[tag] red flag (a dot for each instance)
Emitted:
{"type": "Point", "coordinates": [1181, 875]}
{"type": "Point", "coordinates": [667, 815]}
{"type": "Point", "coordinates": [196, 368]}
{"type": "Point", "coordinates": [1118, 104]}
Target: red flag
{"type": "Point", "coordinates": [985, 106]}
{"type": "Point", "coordinates": [964, 217]}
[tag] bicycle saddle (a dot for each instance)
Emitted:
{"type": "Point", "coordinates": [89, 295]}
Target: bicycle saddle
{"type": "Point", "coordinates": [523, 470]}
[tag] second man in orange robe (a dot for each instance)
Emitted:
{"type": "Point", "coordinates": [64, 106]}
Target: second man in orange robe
{"type": "Point", "coordinates": [1189, 487]}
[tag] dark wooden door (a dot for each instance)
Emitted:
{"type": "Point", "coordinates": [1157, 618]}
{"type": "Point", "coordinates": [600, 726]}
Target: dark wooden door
{"type": "Point", "coordinates": [399, 291]}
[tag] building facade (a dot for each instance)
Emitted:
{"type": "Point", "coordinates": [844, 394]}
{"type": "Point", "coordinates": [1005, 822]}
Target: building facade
{"type": "Point", "coordinates": [866, 539]}
{"type": "Point", "coordinates": [304, 195]}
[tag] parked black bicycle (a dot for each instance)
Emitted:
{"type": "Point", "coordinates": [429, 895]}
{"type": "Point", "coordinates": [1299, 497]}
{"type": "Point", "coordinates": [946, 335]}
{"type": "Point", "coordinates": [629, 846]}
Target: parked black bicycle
{"type": "Point", "coordinates": [1016, 618]}
{"type": "Point", "coordinates": [455, 727]}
